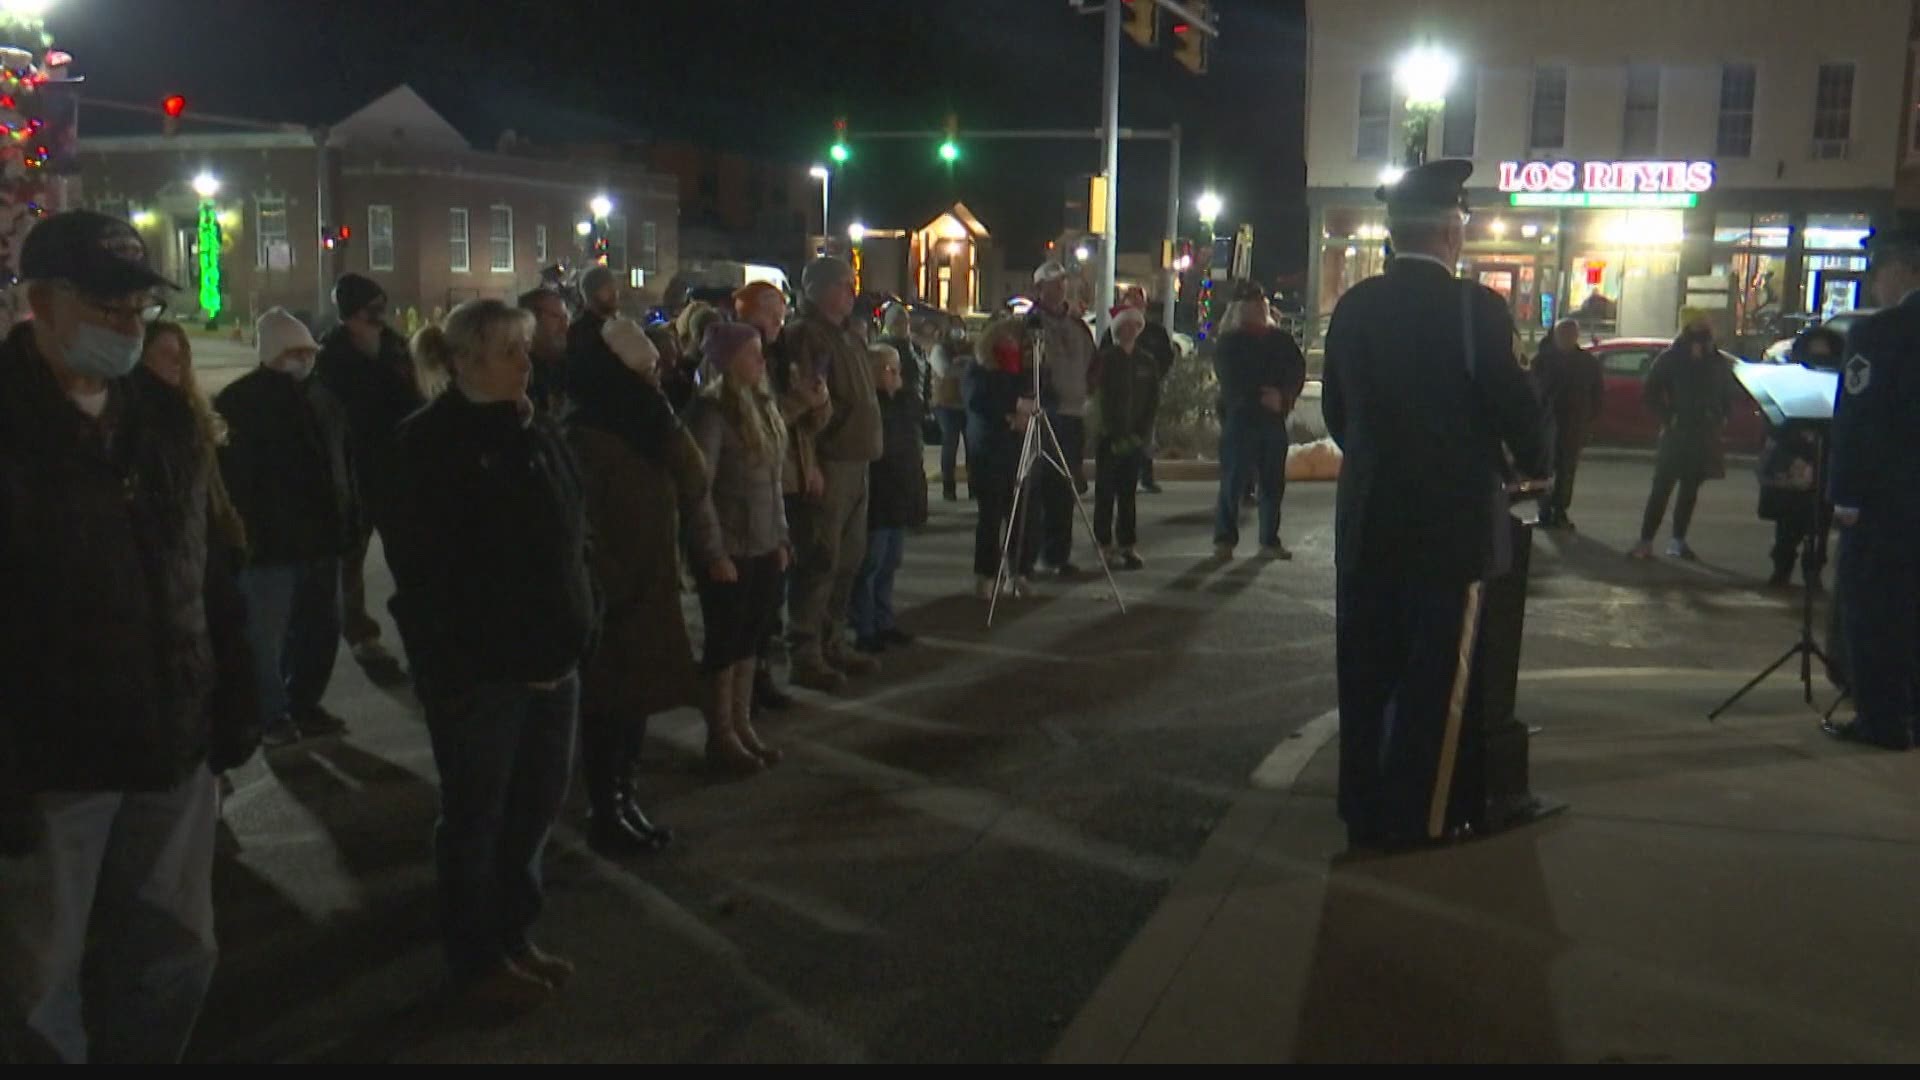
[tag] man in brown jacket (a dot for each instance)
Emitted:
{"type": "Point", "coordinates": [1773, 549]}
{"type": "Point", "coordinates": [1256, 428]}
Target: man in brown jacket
{"type": "Point", "coordinates": [830, 539]}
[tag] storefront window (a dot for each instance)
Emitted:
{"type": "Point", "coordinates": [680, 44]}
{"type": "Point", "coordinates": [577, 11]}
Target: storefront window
{"type": "Point", "coordinates": [1752, 230]}
{"type": "Point", "coordinates": [1624, 272]}
{"type": "Point", "coordinates": [1835, 232]}
{"type": "Point", "coordinates": [1352, 249]}
{"type": "Point", "coordinates": [1832, 283]}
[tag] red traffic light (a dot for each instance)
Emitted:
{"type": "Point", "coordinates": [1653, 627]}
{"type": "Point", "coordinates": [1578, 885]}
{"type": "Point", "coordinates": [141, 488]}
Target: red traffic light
{"type": "Point", "coordinates": [174, 105]}
{"type": "Point", "coordinates": [346, 232]}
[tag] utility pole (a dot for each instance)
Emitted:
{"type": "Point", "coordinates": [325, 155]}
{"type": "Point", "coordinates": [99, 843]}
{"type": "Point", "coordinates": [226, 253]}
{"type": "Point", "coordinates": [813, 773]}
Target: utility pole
{"type": "Point", "coordinates": [1171, 294]}
{"type": "Point", "coordinates": [1110, 168]}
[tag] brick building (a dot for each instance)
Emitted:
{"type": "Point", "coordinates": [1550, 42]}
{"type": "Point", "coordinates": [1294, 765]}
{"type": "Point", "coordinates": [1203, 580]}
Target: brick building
{"type": "Point", "coordinates": [430, 217]}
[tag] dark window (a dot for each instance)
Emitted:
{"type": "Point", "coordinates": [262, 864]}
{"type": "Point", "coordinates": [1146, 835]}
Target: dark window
{"type": "Point", "coordinates": [1548, 130]}
{"type": "Point", "coordinates": [1375, 105]}
{"type": "Point", "coordinates": [1456, 134]}
{"type": "Point", "coordinates": [1833, 110]}
{"type": "Point", "coordinates": [1735, 136]}
{"type": "Point", "coordinates": [1641, 137]}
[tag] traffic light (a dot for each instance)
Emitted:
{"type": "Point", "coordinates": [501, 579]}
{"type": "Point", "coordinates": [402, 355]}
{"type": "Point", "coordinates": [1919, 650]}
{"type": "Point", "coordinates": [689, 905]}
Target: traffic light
{"type": "Point", "coordinates": [1141, 20]}
{"type": "Point", "coordinates": [1189, 44]}
{"type": "Point", "coordinates": [840, 153]}
{"type": "Point", "coordinates": [335, 239]}
{"type": "Point", "coordinates": [950, 149]}
{"type": "Point", "coordinates": [172, 107]}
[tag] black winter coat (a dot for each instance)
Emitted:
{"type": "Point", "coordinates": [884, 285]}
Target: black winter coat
{"type": "Point", "coordinates": [287, 466]}
{"type": "Point", "coordinates": [488, 548]}
{"type": "Point", "coordinates": [897, 483]}
{"type": "Point", "coordinates": [107, 653]}
{"type": "Point", "coordinates": [377, 393]}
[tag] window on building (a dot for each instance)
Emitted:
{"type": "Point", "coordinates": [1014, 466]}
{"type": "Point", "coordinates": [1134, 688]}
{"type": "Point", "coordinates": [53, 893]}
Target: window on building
{"type": "Point", "coordinates": [1833, 110]}
{"type": "Point", "coordinates": [500, 239]}
{"type": "Point", "coordinates": [270, 233]}
{"type": "Point", "coordinates": [617, 242]}
{"type": "Point", "coordinates": [1735, 137]}
{"type": "Point", "coordinates": [1459, 119]}
{"type": "Point", "coordinates": [1547, 129]}
{"type": "Point", "coordinates": [380, 237]}
{"type": "Point", "coordinates": [1376, 102]}
{"type": "Point", "coordinates": [540, 244]}
{"type": "Point", "coordinates": [1641, 133]}
{"type": "Point", "coordinates": [458, 259]}
{"type": "Point", "coordinates": [649, 246]}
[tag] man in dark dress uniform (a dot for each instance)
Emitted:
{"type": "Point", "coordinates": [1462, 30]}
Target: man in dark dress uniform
{"type": "Point", "coordinates": [1875, 484]}
{"type": "Point", "coordinates": [1425, 396]}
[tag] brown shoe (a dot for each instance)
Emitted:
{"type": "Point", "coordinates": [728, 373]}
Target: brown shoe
{"type": "Point", "coordinates": [507, 990]}
{"type": "Point", "coordinates": [724, 752]}
{"type": "Point", "coordinates": [550, 969]}
{"type": "Point", "coordinates": [743, 716]}
{"type": "Point", "coordinates": [850, 661]}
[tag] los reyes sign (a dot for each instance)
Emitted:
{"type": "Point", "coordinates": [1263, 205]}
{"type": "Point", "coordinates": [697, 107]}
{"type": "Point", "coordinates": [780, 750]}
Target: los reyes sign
{"type": "Point", "coordinates": [1605, 183]}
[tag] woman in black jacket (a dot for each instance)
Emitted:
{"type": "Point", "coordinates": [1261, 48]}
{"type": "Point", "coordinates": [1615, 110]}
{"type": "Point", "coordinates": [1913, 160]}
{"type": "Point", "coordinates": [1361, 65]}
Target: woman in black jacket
{"type": "Point", "coordinates": [495, 603]}
{"type": "Point", "coordinates": [1687, 388]}
{"type": "Point", "coordinates": [1000, 404]}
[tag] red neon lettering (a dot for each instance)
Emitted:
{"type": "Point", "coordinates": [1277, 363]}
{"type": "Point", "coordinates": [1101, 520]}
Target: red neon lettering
{"type": "Point", "coordinates": [1700, 176]}
{"type": "Point", "coordinates": [1509, 176]}
{"type": "Point", "coordinates": [1601, 176]}
{"type": "Point", "coordinates": [1562, 176]}
{"type": "Point", "coordinates": [1534, 176]}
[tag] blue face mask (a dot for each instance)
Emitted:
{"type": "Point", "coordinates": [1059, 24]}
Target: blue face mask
{"type": "Point", "coordinates": [99, 353]}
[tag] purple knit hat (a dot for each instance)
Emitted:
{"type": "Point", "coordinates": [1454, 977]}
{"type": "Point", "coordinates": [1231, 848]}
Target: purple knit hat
{"type": "Point", "coordinates": [724, 341]}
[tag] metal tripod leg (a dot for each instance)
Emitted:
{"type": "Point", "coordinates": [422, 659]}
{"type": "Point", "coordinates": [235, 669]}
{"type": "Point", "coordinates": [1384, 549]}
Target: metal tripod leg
{"type": "Point", "coordinates": [1023, 470]}
{"type": "Point", "coordinates": [1059, 462]}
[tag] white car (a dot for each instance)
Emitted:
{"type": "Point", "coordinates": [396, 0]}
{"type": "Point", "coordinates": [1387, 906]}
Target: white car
{"type": "Point", "coordinates": [1781, 352]}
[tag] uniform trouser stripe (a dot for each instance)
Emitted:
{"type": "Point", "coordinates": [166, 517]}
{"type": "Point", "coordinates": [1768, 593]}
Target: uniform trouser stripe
{"type": "Point", "coordinates": [1456, 710]}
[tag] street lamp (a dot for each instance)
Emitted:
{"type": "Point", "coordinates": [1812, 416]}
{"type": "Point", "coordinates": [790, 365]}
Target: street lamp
{"type": "Point", "coordinates": [856, 232]}
{"type": "Point", "coordinates": [26, 9]}
{"type": "Point", "coordinates": [206, 185]}
{"type": "Point", "coordinates": [601, 206]}
{"type": "Point", "coordinates": [1082, 254]}
{"type": "Point", "coordinates": [1424, 75]}
{"type": "Point", "coordinates": [583, 229]}
{"type": "Point", "coordinates": [1391, 175]}
{"type": "Point", "coordinates": [1209, 205]}
{"type": "Point", "coordinates": [825, 176]}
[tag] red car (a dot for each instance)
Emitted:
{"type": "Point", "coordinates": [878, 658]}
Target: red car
{"type": "Point", "coordinates": [1625, 419]}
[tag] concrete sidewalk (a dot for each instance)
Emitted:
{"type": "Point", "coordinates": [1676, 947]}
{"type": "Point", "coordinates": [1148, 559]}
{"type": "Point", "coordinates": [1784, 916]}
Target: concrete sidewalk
{"type": "Point", "coordinates": [1740, 891]}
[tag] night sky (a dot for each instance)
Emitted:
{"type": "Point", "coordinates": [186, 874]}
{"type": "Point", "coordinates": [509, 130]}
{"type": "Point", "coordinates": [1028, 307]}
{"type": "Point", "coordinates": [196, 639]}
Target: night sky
{"type": "Point", "coordinates": [765, 76]}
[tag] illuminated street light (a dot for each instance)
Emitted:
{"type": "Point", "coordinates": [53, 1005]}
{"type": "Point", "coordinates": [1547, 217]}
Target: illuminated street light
{"type": "Point", "coordinates": [1082, 254]}
{"type": "Point", "coordinates": [1425, 75]}
{"type": "Point", "coordinates": [584, 228]}
{"type": "Point", "coordinates": [1209, 205]}
{"type": "Point", "coordinates": [818, 172]}
{"type": "Point", "coordinates": [856, 232]}
{"type": "Point", "coordinates": [1391, 175]}
{"type": "Point", "coordinates": [206, 185]}
{"type": "Point", "coordinates": [601, 206]}
{"type": "Point", "coordinates": [1498, 226]}
{"type": "Point", "coordinates": [26, 9]}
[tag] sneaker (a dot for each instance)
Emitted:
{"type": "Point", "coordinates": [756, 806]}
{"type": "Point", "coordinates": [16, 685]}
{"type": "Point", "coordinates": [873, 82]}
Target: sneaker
{"type": "Point", "coordinates": [317, 721]}
{"type": "Point", "coordinates": [280, 732]}
{"type": "Point", "coordinates": [1641, 550]}
{"type": "Point", "coordinates": [1130, 560]}
{"type": "Point", "coordinates": [1678, 549]}
{"type": "Point", "coordinates": [1223, 551]}
{"type": "Point", "coordinates": [543, 965]}
{"type": "Point", "coordinates": [893, 635]}
{"type": "Point", "coordinates": [1276, 550]}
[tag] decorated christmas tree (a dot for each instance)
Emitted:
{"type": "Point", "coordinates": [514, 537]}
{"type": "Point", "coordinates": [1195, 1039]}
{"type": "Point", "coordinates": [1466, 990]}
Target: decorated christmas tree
{"type": "Point", "coordinates": [36, 128]}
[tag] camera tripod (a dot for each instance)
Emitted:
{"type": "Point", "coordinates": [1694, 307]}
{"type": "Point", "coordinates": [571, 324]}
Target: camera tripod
{"type": "Point", "coordinates": [1040, 444]}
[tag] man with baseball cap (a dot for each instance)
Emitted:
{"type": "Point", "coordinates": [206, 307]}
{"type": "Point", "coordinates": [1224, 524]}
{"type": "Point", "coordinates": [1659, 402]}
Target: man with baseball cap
{"type": "Point", "coordinates": [109, 627]}
{"type": "Point", "coordinates": [365, 364]}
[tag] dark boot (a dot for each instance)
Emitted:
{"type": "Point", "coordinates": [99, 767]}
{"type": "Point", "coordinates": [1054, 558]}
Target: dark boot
{"type": "Point", "coordinates": [608, 832]}
{"type": "Point", "coordinates": [630, 812]}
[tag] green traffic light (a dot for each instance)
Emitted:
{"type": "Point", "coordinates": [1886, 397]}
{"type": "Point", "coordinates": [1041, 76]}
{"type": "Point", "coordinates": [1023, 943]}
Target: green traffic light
{"type": "Point", "coordinates": [949, 151]}
{"type": "Point", "coordinates": [840, 153]}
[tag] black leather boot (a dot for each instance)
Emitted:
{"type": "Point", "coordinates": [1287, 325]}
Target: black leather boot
{"type": "Point", "coordinates": [608, 833]}
{"type": "Point", "coordinates": [631, 815]}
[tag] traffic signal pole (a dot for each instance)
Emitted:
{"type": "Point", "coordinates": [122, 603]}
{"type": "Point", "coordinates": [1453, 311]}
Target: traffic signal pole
{"type": "Point", "coordinates": [1109, 166]}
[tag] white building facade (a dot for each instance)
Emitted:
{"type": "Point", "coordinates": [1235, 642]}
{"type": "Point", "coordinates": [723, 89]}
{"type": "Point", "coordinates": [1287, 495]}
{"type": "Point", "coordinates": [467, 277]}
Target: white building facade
{"type": "Point", "coordinates": [1630, 156]}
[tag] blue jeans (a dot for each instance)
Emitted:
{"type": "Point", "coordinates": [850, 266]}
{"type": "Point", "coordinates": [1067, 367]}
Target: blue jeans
{"type": "Point", "coordinates": [293, 626]}
{"type": "Point", "coordinates": [872, 608]}
{"type": "Point", "coordinates": [953, 428]}
{"type": "Point", "coordinates": [1251, 454]}
{"type": "Point", "coordinates": [505, 753]}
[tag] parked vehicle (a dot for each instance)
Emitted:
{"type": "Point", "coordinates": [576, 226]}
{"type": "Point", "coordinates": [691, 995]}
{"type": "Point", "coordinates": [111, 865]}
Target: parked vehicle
{"type": "Point", "coordinates": [1786, 350]}
{"type": "Point", "coordinates": [1625, 419]}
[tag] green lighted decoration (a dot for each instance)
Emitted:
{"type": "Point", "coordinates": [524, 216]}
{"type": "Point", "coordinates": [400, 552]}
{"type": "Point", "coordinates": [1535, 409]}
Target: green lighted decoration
{"type": "Point", "coordinates": [209, 260]}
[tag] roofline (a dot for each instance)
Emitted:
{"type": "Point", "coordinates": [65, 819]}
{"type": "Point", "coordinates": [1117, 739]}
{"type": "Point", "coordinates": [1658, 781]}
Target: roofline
{"type": "Point", "coordinates": [292, 139]}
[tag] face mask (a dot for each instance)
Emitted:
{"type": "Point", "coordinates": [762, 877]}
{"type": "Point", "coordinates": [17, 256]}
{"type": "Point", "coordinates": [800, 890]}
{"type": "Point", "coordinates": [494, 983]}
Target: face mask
{"type": "Point", "coordinates": [99, 353]}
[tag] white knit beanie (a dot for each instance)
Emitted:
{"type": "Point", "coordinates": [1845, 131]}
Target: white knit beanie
{"type": "Point", "coordinates": [278, 332]}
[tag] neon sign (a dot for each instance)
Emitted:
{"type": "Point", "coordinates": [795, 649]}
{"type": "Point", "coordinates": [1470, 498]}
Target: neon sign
{"type": "Point", "coordinates": [1606, 183]}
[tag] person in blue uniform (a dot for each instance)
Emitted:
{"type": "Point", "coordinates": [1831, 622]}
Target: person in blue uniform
{"type": "Point", "coordinates": [1428, 402]}
{"type": "Point", "coordinates": [1874, 481]}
